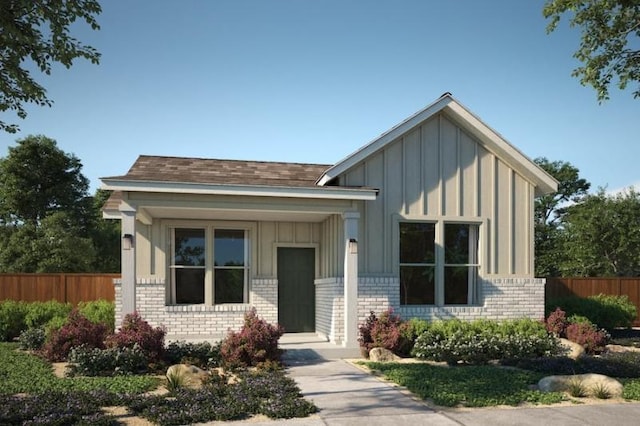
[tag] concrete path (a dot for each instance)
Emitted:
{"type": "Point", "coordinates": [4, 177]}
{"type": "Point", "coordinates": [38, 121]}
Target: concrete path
{"type": "Point", "coordinates": [346, 395]}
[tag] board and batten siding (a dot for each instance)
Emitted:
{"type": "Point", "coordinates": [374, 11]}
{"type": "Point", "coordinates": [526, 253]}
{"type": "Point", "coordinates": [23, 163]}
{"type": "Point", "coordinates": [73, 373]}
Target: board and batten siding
{"type": "Point", "coordinates": [438, 171]}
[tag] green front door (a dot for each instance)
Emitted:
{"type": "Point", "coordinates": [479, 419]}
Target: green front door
{"type": "Point", "coordinates": [296, 291]}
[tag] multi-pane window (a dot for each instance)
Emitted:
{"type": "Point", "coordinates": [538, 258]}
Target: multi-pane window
{"type": "Point", "coordinates": [209, 265]}
{"type": "Point", "coordinates": [188, 265]}
{"type": "Point", "coordinates": [438, 263]}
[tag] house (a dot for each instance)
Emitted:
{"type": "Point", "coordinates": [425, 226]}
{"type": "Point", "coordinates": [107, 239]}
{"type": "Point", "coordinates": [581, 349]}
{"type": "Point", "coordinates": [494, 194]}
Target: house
{"type": "Point", "coordinates": [434, 218]}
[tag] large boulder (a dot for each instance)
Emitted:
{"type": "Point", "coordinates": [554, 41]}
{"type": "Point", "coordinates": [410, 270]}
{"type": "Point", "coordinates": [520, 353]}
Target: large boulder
{"type": "Point", "coordinates": [382, 355]}
{"type": "Point", "coordinates": [574, 350]}
{"type": "Point", "coordinates": [192, 376]}
{"type": "Point", "coordinates": [590, 382]}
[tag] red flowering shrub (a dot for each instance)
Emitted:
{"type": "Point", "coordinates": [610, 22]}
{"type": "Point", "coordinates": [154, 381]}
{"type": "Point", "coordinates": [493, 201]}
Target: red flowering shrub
{"type": "Point", "coordinates": [255, 343]}
{"type": "Point", "coordinates": [557, 323]}
{"type": "Point", "coordinates": [134, 331]}
{"type": "Point", "coordinates": [585, 334]}
{"type": "Point", "coordinates": [78, 330]}
{"type": "Point", "coordinates": [387, 331]}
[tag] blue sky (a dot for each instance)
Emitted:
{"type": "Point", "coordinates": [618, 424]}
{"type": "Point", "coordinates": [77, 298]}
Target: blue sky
{"type": "Point", "coordinates": [312, 81]}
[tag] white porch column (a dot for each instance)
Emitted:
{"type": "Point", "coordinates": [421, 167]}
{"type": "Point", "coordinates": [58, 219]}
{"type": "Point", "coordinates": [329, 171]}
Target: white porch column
{"type": "Point", "coordinates": [350, 279]}
{"type": "Point", "coordinates": [128, 252]}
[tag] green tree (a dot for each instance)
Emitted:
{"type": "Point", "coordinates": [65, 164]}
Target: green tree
{"type": "Point", "coordinates": [602, 236]}
{"type": "Point", "coordinates": [36, 34]}
{"type": "Point", "coordinates": [48, 222]}
{"type": "Point", "coordinates": [608, 48]}
{"type": "Point", "coordinates": [550, 210]}
{"type": "Point", "coordinates": [37, 178]}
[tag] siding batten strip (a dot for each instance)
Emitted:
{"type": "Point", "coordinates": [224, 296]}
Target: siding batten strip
{"type": "Point", "coordinates": [512, 221]}
{"type": "Point", "coordinates": [494, 227]}
{"type": "Point", "coordinates": [459, 180]}
{"type": "Point", "coordinates": [478, 178]}
{"type": "Point", "coordinates": [441, 188]}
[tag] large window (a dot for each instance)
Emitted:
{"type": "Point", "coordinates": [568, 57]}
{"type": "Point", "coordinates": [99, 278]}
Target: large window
{"type": "Point", "coordinates": [209, 265]}
{"type": "Point", "coordinates": [438, 263]}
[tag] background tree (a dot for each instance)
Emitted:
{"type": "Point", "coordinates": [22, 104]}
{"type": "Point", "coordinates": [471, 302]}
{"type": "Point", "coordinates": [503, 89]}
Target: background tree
{"type": "Point", "coordinates": [37, 33]}
{"type": "Point", "coordinates": [550, 210]}
{"type": "Point", "coordinates": [37, 178]}
{"type": "Point", "coordinates": [602, 236]}
{"type": "Point", "coordinates": [609, 43]}
{"type": "Point", "coordinates": [48, 222]}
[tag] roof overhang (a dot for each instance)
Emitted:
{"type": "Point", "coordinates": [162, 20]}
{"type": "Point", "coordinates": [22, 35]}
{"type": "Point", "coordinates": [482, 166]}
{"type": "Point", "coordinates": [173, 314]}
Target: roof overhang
{"type": "Point", "coordinates": [319, 192]}
{"type": "Point", "coordinates": [492, 140]}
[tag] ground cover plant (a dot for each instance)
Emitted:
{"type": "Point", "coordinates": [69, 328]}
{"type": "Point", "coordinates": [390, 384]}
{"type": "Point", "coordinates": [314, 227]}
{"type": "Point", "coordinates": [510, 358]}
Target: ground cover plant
{"type": "Point", "coordinates": [471, 386]}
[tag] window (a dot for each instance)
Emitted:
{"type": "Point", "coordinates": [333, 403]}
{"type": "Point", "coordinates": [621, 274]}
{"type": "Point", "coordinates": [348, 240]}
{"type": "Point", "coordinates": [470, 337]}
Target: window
{"type": "Point", "coordinates": [188, 265]}
{"type": "Point", "coordinates": [438, 263]}
{"type": "Point", "coordinates": [209, 265]}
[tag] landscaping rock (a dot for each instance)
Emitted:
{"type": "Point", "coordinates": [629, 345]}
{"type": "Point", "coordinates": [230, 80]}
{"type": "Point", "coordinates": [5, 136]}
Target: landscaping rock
{"type": "Point", "coordinates": [620, 348]}
{"type": "Point", "coordinates": [590, 382]}
{"type": "Point", "coordinates": [193, 375]}
{"type": "Point", "coordinates": [575, 350]}
{"type": "Point", "coordinates": [382, 355]}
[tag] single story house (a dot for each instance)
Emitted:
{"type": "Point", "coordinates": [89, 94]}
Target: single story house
{"type": "Point", "coordinates": [434, 219]}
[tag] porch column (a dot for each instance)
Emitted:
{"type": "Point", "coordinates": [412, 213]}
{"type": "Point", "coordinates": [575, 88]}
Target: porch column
{"type": "Point", "coordinates": [128, 252]}
{"type": "Point", "coordinates": [350, 279]}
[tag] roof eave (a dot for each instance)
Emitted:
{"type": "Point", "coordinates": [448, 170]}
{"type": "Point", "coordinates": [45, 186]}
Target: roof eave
{"type": "Point", "coordinates": [334, 193]}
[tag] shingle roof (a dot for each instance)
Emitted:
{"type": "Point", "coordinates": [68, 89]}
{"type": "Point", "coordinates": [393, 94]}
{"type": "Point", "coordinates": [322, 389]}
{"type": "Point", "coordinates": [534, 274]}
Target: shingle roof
{"type": "Point", "coordinates": [225, 172]}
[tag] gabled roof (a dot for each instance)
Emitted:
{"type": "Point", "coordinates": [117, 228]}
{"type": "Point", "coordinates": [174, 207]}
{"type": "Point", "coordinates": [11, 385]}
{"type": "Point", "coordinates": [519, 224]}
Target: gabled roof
{"type": "Point", "coordinates": [464, 118]}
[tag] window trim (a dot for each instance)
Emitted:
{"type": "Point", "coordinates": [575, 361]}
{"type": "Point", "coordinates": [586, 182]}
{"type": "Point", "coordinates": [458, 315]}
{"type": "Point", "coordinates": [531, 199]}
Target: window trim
{"type": "Point", "coordinates": [474, 296]}
{"type": "Point", "coordinates": [209, 226]}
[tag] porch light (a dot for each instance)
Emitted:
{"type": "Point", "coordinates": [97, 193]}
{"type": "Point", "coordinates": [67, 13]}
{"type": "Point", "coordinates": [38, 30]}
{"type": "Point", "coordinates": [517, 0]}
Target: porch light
{"type": "Point", "coordinates": [353, 246]}
{"type": "Point", "coordinates": [127, 241]}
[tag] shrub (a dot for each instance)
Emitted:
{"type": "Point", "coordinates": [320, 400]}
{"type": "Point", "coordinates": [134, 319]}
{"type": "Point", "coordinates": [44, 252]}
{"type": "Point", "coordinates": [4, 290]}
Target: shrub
{"type": "Point", "coordinates": [136, 331]}
{"type": "Point", "coordinates": [77, 331]}
{"type": "Point", "coordinates": [12, 319]}
{"type": "Point", "coordinates": [255, 343]}
{"type": "Point", "coordinates": [40, 313]}
{"type": "Point", "coordinates": [99, 311]}
{"type": "Point", "coordinates": [585, 334]}
{"type": "Point", "coordinates": [606, 311]}
{"type": "Point", "coordinates": [557, 323]}
{"type": "Point", "coordinates": [32, 339]}
{"type": "Point", "coordinates": [387, 331]}
{"type": "Point", "coordinates": [612, 364]}
{"type": "Point", "coordinates": [199, 354]}
{"type": "Point", "coordinates": [88, 361]}
{"type": "Point", "coordinates": [480, 341]}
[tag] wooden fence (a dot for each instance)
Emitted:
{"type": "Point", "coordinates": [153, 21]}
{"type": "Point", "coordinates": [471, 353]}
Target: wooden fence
{"type": "Point", "coordinates": [584, 287]}
{"type": "Point", "coordinates": [72, 288]}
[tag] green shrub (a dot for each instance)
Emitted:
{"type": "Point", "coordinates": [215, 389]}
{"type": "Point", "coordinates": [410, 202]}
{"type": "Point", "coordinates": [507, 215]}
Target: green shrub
{"type": "Point", "coordinates": [101, 311]}
{"type": "Point", "coordinates": [606, 311]}
{"type": "Point", "coordinates": [199, 354]}
{"type": "Point", "coordinates": [12, 319]}
{"type": "Point", "coordinates": [137, 331]}
{"type": "Point", "coordinates": [255, 343]}
{"type": "Point", "coordinates": [88, 361]}
{"type": "Point", "coordinates": [77, 331]}
{"type": "Point", "coordinates": [480, 341]}
{"type": "Point", "coordinates": [32, 339]}
{"type": "Point", "coordinates": [40, 313]}
{"type": "Point", "coordinates": [386, 331]}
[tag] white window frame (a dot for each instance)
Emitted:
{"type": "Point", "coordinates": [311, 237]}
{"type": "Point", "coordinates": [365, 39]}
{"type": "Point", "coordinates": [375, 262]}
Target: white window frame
{"type": "Point", "coordinates": [477, 224]}
{"type": "Point", "coordinates": [249, 229]}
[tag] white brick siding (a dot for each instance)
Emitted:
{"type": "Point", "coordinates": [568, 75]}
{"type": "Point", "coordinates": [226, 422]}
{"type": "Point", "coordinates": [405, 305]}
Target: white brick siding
{"type": "Point", "coordinates": [500, 298]}
{"type": "Point", "coordinates": [198, 321]}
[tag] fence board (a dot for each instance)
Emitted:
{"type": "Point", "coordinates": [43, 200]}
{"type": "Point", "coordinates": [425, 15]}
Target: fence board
{"type": "Point", "coordinates": [72, 288]}
{"type": "Point", "coordinates": [585, 287]}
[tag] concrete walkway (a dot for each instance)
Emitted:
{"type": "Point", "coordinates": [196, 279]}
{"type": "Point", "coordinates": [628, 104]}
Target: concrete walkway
{"type": "Point", "coordinates": [346, 395]}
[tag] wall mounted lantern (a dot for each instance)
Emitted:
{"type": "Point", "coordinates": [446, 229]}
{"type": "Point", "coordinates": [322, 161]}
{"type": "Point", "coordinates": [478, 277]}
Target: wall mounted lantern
{"type": "Point", "coordinates": [127, 241]}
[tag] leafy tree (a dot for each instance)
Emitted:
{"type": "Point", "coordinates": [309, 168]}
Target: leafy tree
{"type": "Point", "coordinates": [609, 44]}
{"type": "Point", "coordinates": [37, 178]}
{"type": "Point", "coordinates": [37, 33]}
{"type": "Point", "coordinates": [602, 236]}
{"type": "Point", "coordinates": [48, 223]}
{"type": "Point", "coordinates": [550, 210]}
